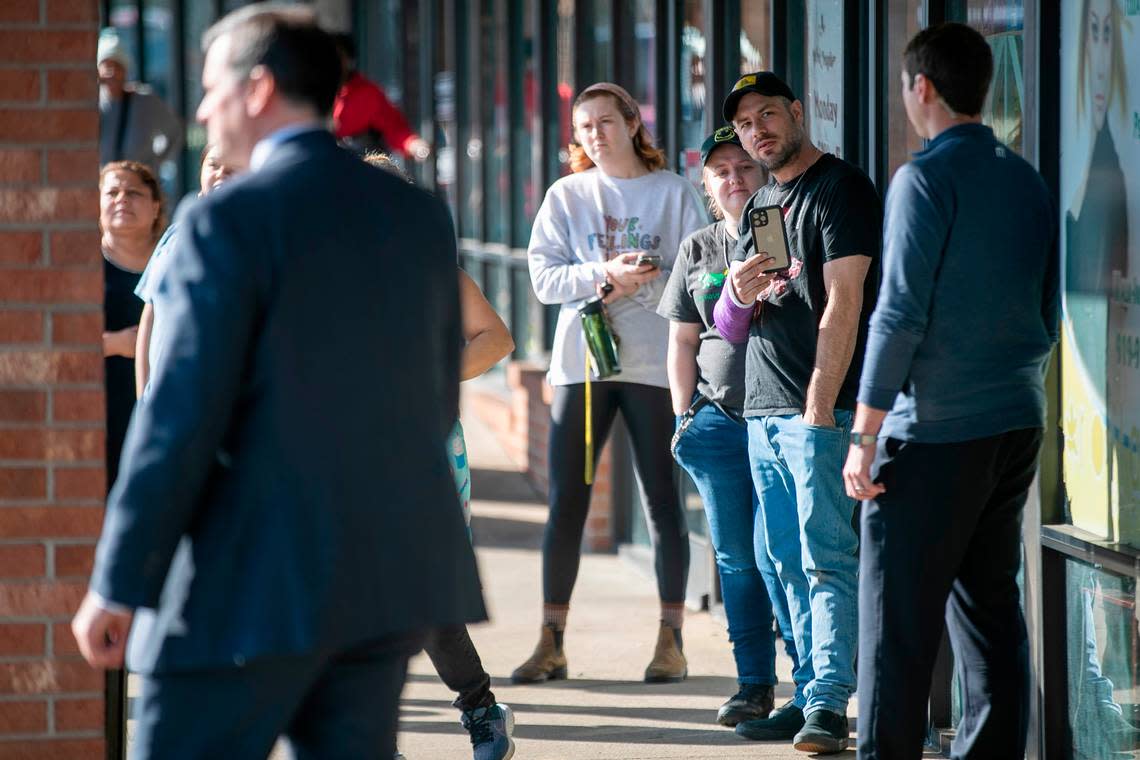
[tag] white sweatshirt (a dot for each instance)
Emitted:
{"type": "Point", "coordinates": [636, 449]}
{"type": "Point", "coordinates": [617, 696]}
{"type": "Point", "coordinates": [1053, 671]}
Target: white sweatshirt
{"type": "Point", "coordinates": [587, 219]}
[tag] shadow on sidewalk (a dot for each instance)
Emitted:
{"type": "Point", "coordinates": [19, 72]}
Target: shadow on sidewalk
{"type": "Point", "coordinates": [504, 485]}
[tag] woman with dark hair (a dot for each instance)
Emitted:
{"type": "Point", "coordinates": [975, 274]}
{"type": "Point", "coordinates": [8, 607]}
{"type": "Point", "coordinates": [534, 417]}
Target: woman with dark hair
{"type": "Point", "coordinates": [132, 215]}
{"type": "Point", "coordinates": [611, 230]}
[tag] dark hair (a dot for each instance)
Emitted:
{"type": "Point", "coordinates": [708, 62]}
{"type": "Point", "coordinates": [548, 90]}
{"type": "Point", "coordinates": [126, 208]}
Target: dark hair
{"type": "Point", "coordinates": [345, 44]}
{"type": "Point", "coordinates": [958, 62]}
{"type": "Point", "coordinates": [146, 176]}
{"type": "Point", "coordinates": [286, 40]}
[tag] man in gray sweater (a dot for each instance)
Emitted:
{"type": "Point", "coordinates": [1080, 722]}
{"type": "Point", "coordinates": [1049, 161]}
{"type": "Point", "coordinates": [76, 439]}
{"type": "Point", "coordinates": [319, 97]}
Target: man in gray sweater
{"type": "Point", "coordinates": [965, 323]}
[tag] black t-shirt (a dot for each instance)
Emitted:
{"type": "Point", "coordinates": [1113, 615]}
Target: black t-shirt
{"type": "Point", "coordinates": [690, 295]}
{"type": "Point", "coordinates": [830, 211]}
{"type": "Point", "coordinates": [121, 309]}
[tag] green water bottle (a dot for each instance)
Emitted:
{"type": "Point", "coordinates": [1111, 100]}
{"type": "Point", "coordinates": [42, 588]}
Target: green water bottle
{"type": "Point", "coordinates": [600, 339]}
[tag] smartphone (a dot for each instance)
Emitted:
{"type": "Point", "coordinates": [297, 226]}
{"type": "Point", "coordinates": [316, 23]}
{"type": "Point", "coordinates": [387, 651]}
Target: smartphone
{"type": "Point", "coordinates": [769, 234]}
{"type": "Point", "coordinates": [651, 259]}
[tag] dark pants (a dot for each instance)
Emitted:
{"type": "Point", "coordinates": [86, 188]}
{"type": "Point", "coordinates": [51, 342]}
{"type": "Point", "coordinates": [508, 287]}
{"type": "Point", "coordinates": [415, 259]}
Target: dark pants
{"type": "Point", "coordinates": [328, 705]}
{"type": "Point", "coordinates": [648, 415]}
{"type": "Point", "coordinates": [944, 540]}
{"type": "Point", "coordinates": [457, 662]}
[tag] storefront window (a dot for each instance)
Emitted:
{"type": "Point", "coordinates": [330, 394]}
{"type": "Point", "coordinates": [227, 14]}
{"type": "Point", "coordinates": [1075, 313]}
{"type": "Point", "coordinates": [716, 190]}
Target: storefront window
{"type": "Point", "coordinates": [496, 125]}
{"type": "Point", "coordinates": [1003, 24]}
{"type": "Point", "coordinates": [1100, 213]}
{"type": "Point", "coordinates": [1104, 682]}
{"type": "Point", "coordinates": [755, 36]}
{"type": "Point", "coordinates": [694, 47]}
{"type": "Point", "coordinates": [566, 92]}
{"type": "Point", "coordinates": [444, 92]}
{"type": "Point", "coordinates": [905, 18]}
{"type": "Point", "coordinates": [526, 130]}
{"type": "Point", "coordinates": [471, 135]}
{"type": "Point", "coordinates": [125, 18]}
{"type": "Point", "coordinates": [196, 19]}
{"type": "Point", "coordinates": [823, 72]}
{"type": "Point", "coordinates": [643, 77]}
{"type": "Point", "coordinates": [602, 29]}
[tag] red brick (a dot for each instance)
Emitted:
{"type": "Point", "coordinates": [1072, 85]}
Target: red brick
{"type": "Point", "coordinates": [23, 718]}
{"type": "Point", "coordinates": [47, 46]}
{"type": "Point", "coordinates": [19, 84]}
{"type": "Point", "coordinates": [22, 406]}
{"type": "Point", "coordinates": [78, 714]}
{"type": "Point", "coordinates": [77, 247]}
{"type": "Point", "coordinates": [48, 126]}
{"type": "Point", "coordinates": [78, 406]}
{"type": "Point", "coordinates": [54, 445]}
{"type": "Point", "coordinates": [30, 367]}
{"type": "Point", "coordinates": [81, 483]}
{"type": "Point", "coordinates": [48, 677]}
{"type": "Point", "coordinates": [74, 560]}
{"type": "Point", "coordinates": [77, 327]}
{"type": "Point", "coordinates": [50, 748]}
{"type": "Point", "coordinates": [22, 640]}
{"type": "Point", "coordinates": [48, 204]}
{"type": "Point", "coordinates": [19, 166]}
{"type": "Point", "coordinates": [55, 598]}
{"type": "Point", "coordinates": [72, 11]}
{"type": "Point", "coordinates": [23, 561]}
{"type": "Point", "coordinates": [21, 326]}
{"type": "Point", "coordinates": [80, 166]}
{"type": "Point", "coordinates": [23, 247]}
{"type": "Point", "coordinates": [63, 641]}
{"type": "Point", "coordinates": [72, 85]}
{"type": "Point", "coordinates": [22, 483]}
{"type": "Point", "coordinates": [19, 11]}
{"type": "Point", "coordinates": [50, 522]}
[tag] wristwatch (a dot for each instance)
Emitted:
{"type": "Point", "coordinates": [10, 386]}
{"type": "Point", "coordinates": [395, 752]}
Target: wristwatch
{"type": "Point", "coordinates": [862, 439]}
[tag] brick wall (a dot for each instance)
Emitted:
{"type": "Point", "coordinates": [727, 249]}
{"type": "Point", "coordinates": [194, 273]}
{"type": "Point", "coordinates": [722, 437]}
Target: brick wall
{"type": "Point", "coordinates": [521, 422]}
{"type": "Point", "coordinates": [51, 399]}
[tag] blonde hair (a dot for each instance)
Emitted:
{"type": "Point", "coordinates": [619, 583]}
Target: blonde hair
{"type": "Point", "coordinates": [382, 160]}
{"type": "Point", "coordinates": [652, 157]}
{"type": "Point", "coordinates": [1116, 70]}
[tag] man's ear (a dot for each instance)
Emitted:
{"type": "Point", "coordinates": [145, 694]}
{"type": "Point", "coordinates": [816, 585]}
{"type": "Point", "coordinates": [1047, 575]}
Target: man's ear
{"type": "Point", "coordinates": [924, 90]}
{"type": "Point", "coordinates": [797, 109]}
{"type": "Point", "coordinates": [261, 89]}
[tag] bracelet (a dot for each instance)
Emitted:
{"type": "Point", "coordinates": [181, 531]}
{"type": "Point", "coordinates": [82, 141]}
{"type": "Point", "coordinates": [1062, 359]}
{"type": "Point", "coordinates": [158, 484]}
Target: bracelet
{"type": "Point", "coordinates": [863, 439]}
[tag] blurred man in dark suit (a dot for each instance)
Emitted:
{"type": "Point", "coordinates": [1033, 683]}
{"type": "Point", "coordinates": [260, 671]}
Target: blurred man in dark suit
{"type": "Point", "coordinates": [294, 435]}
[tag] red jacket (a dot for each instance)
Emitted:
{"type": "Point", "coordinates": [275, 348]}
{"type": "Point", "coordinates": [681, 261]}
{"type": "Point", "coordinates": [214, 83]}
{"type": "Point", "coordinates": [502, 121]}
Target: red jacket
{"type": "Point", "coordinates": [362, 106]}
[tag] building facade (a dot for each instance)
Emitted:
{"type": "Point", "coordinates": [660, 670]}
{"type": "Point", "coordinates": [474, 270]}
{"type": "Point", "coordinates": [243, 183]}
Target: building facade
{"type": "Point", "coordinates": [489, 83]}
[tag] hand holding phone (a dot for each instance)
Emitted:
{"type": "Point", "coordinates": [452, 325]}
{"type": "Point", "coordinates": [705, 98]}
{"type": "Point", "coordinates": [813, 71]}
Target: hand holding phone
{"type": "Point", "coordinates": [651, 259]}
{"type": "Point", "coordinates": [770, 236]}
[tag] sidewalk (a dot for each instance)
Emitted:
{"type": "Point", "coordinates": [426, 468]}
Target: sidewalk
{"type": "Point", "coordinates": [604, 710]}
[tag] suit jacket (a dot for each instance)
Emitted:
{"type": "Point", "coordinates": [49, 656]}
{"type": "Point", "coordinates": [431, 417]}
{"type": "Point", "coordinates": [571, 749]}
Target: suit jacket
{"type": "Point", "coordinates": [294, 434]}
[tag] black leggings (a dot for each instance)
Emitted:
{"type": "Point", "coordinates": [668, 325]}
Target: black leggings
{"type": "Point", "coordinates": [648, 415]}
{"type": "Point", "coordinates": [457, 662]}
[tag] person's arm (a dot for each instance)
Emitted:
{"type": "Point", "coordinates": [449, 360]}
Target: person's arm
{"type": "Point", "coordinates": [142, 348]}
{"type": "Point", "coordinates": [487, 338]}
{"type": "Point", "coordinates": [393, 127]}
{"type": "Point", "coordinates": [120, 342]}
{"type": "Point", "coordinates": [838, 330]}
{"type": "Point", "coordinates": [681, 363]}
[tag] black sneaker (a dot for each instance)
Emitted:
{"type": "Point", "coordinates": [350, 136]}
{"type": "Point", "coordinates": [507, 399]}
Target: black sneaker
{"type": "Point", "coordinates": [824, 732]}
{"type": "Point", "coordinates": [751, 702]}
{"type": "Point", "coordinates": [782, 724]}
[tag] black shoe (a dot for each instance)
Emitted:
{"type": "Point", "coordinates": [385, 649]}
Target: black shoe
{"type": "Point", "coordinates": [824, 732]}
{"type": "Point", "coordinates": [782, 724]}
{"type": "Point", "coordinates": [751, 702]}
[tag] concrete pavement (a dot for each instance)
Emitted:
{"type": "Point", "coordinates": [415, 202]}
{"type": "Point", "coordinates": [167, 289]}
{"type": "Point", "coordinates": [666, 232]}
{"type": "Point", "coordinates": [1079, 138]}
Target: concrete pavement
{"type": "Point", "coordinates": [604, 710]}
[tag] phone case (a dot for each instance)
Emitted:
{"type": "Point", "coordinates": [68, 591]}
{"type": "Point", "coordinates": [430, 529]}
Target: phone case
{"type": "Point", "coordinates": [769, 234]}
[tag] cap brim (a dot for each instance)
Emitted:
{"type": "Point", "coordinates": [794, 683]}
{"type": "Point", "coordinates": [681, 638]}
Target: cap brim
{"type": "Point", "coordinates": [728, 110]}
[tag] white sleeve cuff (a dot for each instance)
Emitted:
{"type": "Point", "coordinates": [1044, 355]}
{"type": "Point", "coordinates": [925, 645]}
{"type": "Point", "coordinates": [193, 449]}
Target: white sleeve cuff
{"type": "Point", "coordinates": [109, 606]}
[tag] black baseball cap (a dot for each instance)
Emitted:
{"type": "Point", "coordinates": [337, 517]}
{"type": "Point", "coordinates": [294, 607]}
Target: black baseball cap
{"type": "Point", "coordinates": [759, 82]}
{"type": "Point", "coordinates": [723, 136]}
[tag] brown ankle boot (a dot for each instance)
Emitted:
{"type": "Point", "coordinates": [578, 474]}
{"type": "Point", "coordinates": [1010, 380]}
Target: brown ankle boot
{"type": "Point", "coordinates": [548, 663]}
{"type": "Point", "coordinates": [668, 663]}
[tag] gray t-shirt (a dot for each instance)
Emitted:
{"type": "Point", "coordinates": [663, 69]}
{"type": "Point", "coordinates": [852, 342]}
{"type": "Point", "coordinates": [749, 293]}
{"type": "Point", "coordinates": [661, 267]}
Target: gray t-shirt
{"type": "Point", "coordinates": [690, 295]}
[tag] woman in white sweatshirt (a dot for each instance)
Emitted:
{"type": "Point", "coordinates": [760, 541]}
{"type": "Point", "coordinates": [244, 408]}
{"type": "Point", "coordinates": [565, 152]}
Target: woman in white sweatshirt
{"type": "Point", "coordinates": [620, 203]}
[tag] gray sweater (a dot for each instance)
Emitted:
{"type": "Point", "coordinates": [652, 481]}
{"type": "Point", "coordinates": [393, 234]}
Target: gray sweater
{"type": "Point", "coordinates": [968, 310]}
{"type": "Point", "coordinates": [587, 219]}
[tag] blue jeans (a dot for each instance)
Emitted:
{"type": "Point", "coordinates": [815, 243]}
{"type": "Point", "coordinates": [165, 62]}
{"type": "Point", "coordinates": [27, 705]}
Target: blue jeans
{"type": "Point", "coordinates": [714, 451]}
{"type": "Point", "coordinates": [798, 473]}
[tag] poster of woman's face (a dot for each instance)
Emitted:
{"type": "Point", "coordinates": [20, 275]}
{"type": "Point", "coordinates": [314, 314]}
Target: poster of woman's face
{"type": "Point", "coordinates": [1100, 210]}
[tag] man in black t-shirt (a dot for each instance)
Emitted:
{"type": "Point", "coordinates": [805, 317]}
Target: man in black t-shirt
{"type": "Point", "coordinates": [805, 328]}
